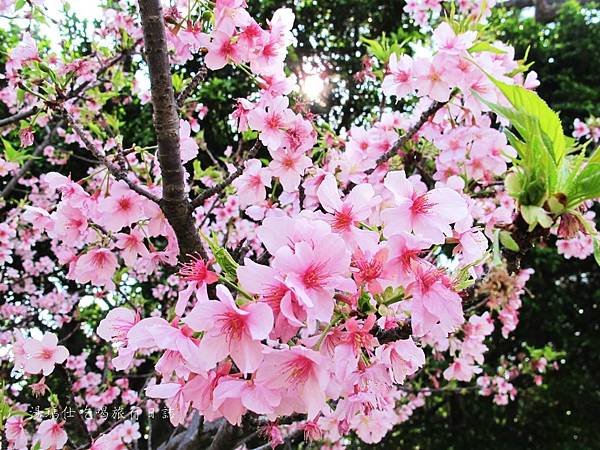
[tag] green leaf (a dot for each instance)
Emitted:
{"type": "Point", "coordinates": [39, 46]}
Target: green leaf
{"type": "Point", "coordinates": [13, 155]}
{"type": "Point", "coordinates": [249, 135]}
{"type": "Point", "coordinates": [540, 143]}
{"type": "Point", "coordinates": [19, 4]}
{"type": "Point", "coordinates": [486, 47]}
{"type": "Point", "coordinates": [507, 241]}
{"type": "Point", "coordinates": [535, 215]}
{"type": "Point", "coordinates": [597, 250]}
{"type": "Point", "coordinates": [585, 186]}
{"type": "Point", "coordinates": [96, 129]}
{"type": "Point", "coordinates": [375, 48]}
{"type": "Point", "coordinates": [177, 82]}
{"type": "Point", "coordinates": [530, 103]}
{"type": "Point", "coordinates": [113, 122]}
{"type": "Point", "coordinates": [223, 257]}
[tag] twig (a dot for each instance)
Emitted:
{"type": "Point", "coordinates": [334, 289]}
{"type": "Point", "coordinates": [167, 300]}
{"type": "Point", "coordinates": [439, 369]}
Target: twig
{"type": "Point", "coordinates": [74, 93]}
{"type": "Point", "coordinates": [207, 213]}
{"type": "Point", "coordinates": [10, 186]}
{"type": "Point", "coordinates": [429, 112]}
{"type": "Point", "coordinates": [19, 116]}
{"type": "Point", "coordinates": [196, 80]}
{"type": "Point", "coordinates": [226, 438]}
{"type": "Point", "coordinates": [207, 193]}
{"type": "Point", "coordinates": [115, 170]}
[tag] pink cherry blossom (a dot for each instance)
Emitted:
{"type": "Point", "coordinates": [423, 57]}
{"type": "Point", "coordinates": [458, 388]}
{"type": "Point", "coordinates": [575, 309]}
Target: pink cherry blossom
{"type": "Point", "coordinates": [222, 50]}
{"type": "Point", "coordinates": [580, 129]}
{"type": "Point", "coordinates": [447, 41]}
{"type": "Point", "coordinates": [430, 79]}
{"type": "Point", "coordinates": [130, 432]}
{"type": "Point", "coordinates": [26, 136]}
{"type": "Point", "coordinates": [251, 185]}
{"type": "Point", "coordinates": [314, 273]}
{"type": "Point", "coordinates": [271, 120]}
{"type": "Point", "coordinates": [231, 330]}
{"type": "Point", "coordinates": [175, 400]}
{"type": "Point", "coordinates": [15, 432]}
{"type": "Point", "coordinates": [434, 302]}
{"type": "Point", "coordinates": [356, 207]}
{"type": "Point", "coordinates": [117, 323]}
{"type": "Point", "coordinates": [301, 374]}
{"type": "Point", "coordinates": [69, 224]}
{"type": "Point", "coordinates": [96, 266]}
{"type": "Point", "coordinates": [22, 54]}
{"type": "Point", "coordinates": [43, 355]}
{"type": "Point", "coordinates": [461, 370]}
{"type": "Point", "coordinates": [426, 213]}
{"type": "Point", "coordinates": [289, 166]}
{"type": "Point", "coordinates": [51, 435]}
{"type": "Point", "coordinates": [132, 246]}
{"type": "Point", "coordinates": [189, 147]}
{"type": "Point", "coordinates": [403, 357]}
{"type": "Point", "coordinates": [233, 396]}
{"type": "Point", "coordinates": [399, 80]}
{"type": "Point", "coordinates": [121, 208]}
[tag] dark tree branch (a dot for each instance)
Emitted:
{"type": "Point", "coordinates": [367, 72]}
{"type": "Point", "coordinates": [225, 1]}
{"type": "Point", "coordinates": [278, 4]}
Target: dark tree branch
{"type": "Point", "coordinates": [175, 203]}
{"type": "Point", "coordinates": [113, 168]}
{"type": "Point", "coordinates": [189, 439]}
{"type": "Point", "coordinates": [429, 112]}
{"type": "Point", "coordinates": [226, 438]}
{"type": "Point", "coordinates": [194, 83]}
{"type": "Point", "coordinates": [19, 116]}
{"type": "Point", "coordinates": [207, 193]}
{"type": "Point", "coordinates": [393, 334]}
{"type": "Point", "coordinates": [10, 186]}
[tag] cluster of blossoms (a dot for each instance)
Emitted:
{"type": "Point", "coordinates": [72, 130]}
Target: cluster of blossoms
{"type": "Point", "coordinates": [422, 11]}
{"type": "Point", "coordinates": [51, 434]}
{"type": "Point", "coordinates": [503, 294]}
{"type": "Point", "coordinates": [355, 265]}
{"type": "Point", "coordinates": [590, 129]}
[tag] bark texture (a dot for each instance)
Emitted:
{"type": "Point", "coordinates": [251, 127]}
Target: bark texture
{"type": "Point", "coordinates": [175, 203]}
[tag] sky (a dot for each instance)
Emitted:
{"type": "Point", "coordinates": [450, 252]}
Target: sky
{"type": "Point", "coordinates": [84, 9]}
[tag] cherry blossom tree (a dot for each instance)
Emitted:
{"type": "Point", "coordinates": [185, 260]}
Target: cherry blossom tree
{"type": "Point", "coordinates": [311, 285]}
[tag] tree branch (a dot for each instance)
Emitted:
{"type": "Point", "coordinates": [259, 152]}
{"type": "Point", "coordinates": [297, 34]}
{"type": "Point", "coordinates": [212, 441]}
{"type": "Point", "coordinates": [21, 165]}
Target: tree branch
{"type": "Point", "coordinates": [19, 116]}
{"type": "Point", "coordinates": [175, 204]}
{"type": "Point", "coordinates": [207, 193]}
{"type": "Point", "coordinates": [429, 112]}
{"type": "Point", "coordinates": [226, 438]}
{"type": "Point", "coordinates": [114, 169]}
{"type": "Point", "coordinates": [196, 80]}
{"type": "Point", "coordinates": [74, 93]}
{"type": "Point", "coordinates": [10, 186]}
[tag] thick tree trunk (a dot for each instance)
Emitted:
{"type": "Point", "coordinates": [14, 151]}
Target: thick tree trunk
{"type": "Point", "coordinates": [175, 203]}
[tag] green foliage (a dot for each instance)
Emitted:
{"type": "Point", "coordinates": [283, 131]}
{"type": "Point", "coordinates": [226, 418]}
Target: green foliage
{"type": "Point", "coordinates": [544, 170]}
{"type": "Point", "coordinates": [383, 48]}
{"type": "Point", "coordinates": [564, 54]}
{"type": "Point", "coordinates": [223, 257]}
{"type": "Point", "coordinates": [11, 154]}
